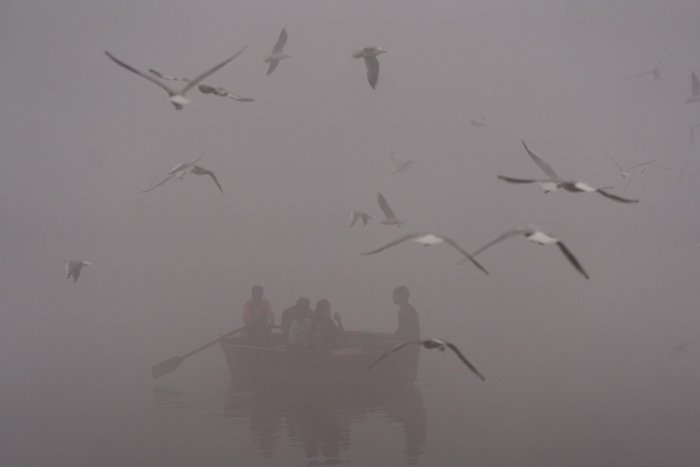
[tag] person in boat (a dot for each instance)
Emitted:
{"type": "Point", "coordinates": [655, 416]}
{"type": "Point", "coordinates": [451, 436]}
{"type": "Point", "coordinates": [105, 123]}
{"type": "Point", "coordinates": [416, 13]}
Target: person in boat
{"type": "Point", "coordinates": [409, 324]}
{"type": "Point", "coordinates": [258, 316]}
{"type": "Point", "coordinates": [302, 305]}
{"type": "Point", "coordinates": [328, 329]}
{"type": "Point", "coordinates": [300, 334]}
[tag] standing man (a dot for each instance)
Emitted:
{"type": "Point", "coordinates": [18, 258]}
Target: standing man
{"type": "Point", "coordinates": [258, 316]}
{"type": "Point", "coordinates": [409, 324]}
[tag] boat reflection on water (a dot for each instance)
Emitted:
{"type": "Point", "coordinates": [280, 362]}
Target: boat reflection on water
{"type": "Point", "coordinates": [319, 420]}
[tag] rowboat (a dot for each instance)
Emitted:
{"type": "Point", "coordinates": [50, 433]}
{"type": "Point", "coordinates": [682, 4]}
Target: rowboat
{"type": "Point", "coordinates": [247, 360]}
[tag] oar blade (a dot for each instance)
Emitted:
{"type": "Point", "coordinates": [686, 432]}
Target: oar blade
{"type": "Point", "coordinates": [165, 367]}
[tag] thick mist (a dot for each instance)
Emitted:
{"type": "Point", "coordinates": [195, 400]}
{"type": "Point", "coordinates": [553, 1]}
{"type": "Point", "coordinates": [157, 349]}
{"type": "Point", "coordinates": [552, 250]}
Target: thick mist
{"type": "Point", "coordinates": [578, 373]}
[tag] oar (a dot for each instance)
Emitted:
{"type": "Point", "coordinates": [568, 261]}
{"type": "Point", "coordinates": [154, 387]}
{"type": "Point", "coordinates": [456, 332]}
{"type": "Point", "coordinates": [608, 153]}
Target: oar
{"type": "Point", "coordinates": [173, 363]}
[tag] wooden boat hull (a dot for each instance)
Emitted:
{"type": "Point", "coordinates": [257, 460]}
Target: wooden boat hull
{"type": "Point", "coordinates": [347, 363]}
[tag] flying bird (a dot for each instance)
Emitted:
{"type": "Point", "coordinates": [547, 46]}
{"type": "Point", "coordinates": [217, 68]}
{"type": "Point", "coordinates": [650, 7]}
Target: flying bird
{"type": "Point", "coordinates": [355, 215]}
{"type": "Point", "coordinates": [479, 123]}
{"type": "Point", "coordinates": [539, 237]}
{"type": "Point", "coordinates": [74, 267]}
{"type": "Point", "coordinates": [432, 344]}
{"type": "Point", "coordinates": [399, 165]}
{"type": "Point", "coordinates": [428, 239]}
{"type": "Point", "coordinates": [203, 88]}
{"type": "Point", "coordinates": [654, 72]}
{"type": "Point", "coordinates": [183, 168]}
{"type": "Point", "coordinates": [177, 98]}
{"type": "Point", "coordinates": [277, 55]}
{"type": "Point", "coordinates": [371, 62]}
{"type": "Point", "coordinates": [631, 172]}
{"type": "Point", "coordinates": [694, 89]}
{"type": "Point", "coordinates": [389, 216]}
{"type": "Point", "coordinates": [555, 182]}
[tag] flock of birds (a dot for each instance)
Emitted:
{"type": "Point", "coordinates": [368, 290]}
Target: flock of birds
{"type": "Point", "coordinates": [550, 181]}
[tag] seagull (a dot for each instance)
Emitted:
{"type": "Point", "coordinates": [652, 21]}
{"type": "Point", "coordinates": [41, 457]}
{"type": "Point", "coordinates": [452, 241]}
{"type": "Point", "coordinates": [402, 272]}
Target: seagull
{"type": "Point", "coordinates": [371, 62]}
{"type": "Point", "coordinates": [632, 171]}
{"type": "Point", "coordinates": [654, 72]}
{"type": "Point", "coordinates": [399, 165]}
{"type": "Point", "coordinates": [694, 89]}
{"type": "Point", "coordinates": [479, 123]}
{"type": "Point", "coordinates": [183, 168]}
{"type": "Point", "coordinates": [177, 98]}
{"type": "Point", "coordinates": [203, 88]}
{"type": "Point", "coordinates": [679, 348]}
{"type": "Point", "coordinates": [536, 235]}
{"type": "Point", "coordinates": [389, 216]}
{"type": "Point", "coordinates": [554, 182]}
{"type": "Point", "coordinates": [74, 267]}
{"type": "Point", "coordinates": [432, 344]}
{"type": "Point", "coordinates": [428, 239]}
{"type": "Point", "coordinates": [355, 215]}
{"type": "Point", "coordinates": [277, 55]}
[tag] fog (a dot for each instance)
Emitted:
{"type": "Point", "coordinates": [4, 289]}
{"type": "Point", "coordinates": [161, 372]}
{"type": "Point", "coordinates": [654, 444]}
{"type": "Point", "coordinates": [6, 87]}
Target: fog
{"type": "Point", "coordinates": [578, 372]}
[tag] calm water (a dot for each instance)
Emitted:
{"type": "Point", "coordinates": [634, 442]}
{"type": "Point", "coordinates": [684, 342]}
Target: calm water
{"type": "Point", "coordinates": [95, 412]}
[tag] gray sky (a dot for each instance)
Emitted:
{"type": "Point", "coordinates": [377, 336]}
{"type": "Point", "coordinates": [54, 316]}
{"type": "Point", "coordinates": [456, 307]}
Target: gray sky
{"type": "Point", "coordinates": [80, 137]}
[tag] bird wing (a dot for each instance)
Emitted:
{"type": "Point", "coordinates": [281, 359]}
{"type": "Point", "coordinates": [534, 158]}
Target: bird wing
{"type": "Point", "coordinates": [199, 170]}
{"type": "Point", "coordinates": [140, 73]}
{"type": "Point", "coordinates": [160, 75]}
{"type": "Point", "coordinates": [232, 95]}
{"type": "Point", "coordinates": [164, 180]}
{"type": "Point", "coordinates": [510, 233]}
{"type": "Point", "coordinates": [619, 167]}
{"type": "Point", "coordinates": [354, 215]}
{"type": "Point", "coordinates": [546, 168]}
{"type": "Point", "coordinates": [272, 66]}
{"type": "Point", "coordinates": [639, 75]}
{"type": "Point", "coordinates": [395, 349]}
{"type": "Point", "coordinates": [281, 40]}
{"type": "Point", "coordinates": [572, 259]}
{"type": "Point", "coordinates": [68, 268]}
{"type": "Point", "coordinates": [695, 89]}
{"type": "Point", "coordinates": [384, 206]}
{"type": "Point", "coordinates": [372, 70]}
{"type": "Point", "coordinates": [409, 236]}
{"type": "Point", "coordinates": [466, 254]}
{"type": "Point", "coordinates": [522, 180]}
{"type": "Point", "coordinates": [215, 68]}
{"type": "Point", "coordinates": [613, 197]}
{"type": "Point", "coordinates": [397, 162]}
{"type": "Point", "coordinates": [464, 360]}
{"type": "Point", "coordinates": [641, 164]}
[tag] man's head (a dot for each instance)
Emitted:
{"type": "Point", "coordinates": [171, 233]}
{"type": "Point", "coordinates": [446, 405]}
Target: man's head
{"type": "Point", "coordinates": [303, 303]}
{"type": "Point", "coordinates": [256, 292]}
{"type": "Point", "coordinates": [401, 295]}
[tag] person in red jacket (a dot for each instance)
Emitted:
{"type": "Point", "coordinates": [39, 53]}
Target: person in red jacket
{"type": "Point", "coordinates": [258, 316]}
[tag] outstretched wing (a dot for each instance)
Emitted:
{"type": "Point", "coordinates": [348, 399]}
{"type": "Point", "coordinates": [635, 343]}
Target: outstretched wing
{"type": "Point", "coordinates": [272, 66]}
{"type": "Point", "coordinates": [164, 180]}
{"type": "Point", "coordinates": [199, 78]}
{"type": "Point", "coordinates": [464, 360]}
{"type": "Point", "coordinates": [160, 75]}
{"type": "Point", "coordinates": [395, 349]}
{"type": "Point", "coordinates": [695, 89]}
{"type": "Point", "coordinates": [619, 199]}
{"type": "Point", "coordinates": [572, 259]}
{"type": "Point", "coordinates": [521, 180]}
{"type": "Point", "coordinates": [281, 40]}
{"type": "Point", "coordinates": [510, 233]}
{"type": "Point", "coordinates": [384, 206]}
{"type": "Point", "coordinates": [199, 170]}
{"type": "Point", "coordinates": [466, 254]}
{"type": "Point", "coordinates": [546, 168]}
{"type": "Point", "coordinates": [372, 65]}
{"type": "Point", "coordinates": [410, 236]}
{"type": "Point", "coordinates": [140, 73]}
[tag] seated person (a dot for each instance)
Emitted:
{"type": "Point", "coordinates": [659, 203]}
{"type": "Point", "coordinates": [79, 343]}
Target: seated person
{"type": "Point", "coordinates": [327, 330]}
{"type": "Point", "coordinates": [301, 328]}
{"type": "Point", "coordinates": [409, 324]}
{"type": "Point", "coordinates": [258, 315]}
{"type": "Point", "coordinates": [302, 305]}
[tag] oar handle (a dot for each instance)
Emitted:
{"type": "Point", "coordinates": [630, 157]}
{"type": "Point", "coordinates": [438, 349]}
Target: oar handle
{"type": "Point", "coordinates": [209, 344]}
